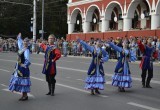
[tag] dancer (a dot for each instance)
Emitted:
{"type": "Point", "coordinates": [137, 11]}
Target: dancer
{"type": "Point", "coordinates": [147, 62]}
{"type": "Point", "coordinates": [96, 77]}
{"type": "Point", "coordinates": [52, 54]}
{"type": "Point", "coordinates": [20, 80]}
{"type": "Point", "coordinates": [122, 77]}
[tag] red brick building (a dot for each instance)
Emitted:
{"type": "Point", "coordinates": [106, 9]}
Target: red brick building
{"type": "Point", "coordinates": [113, 18]}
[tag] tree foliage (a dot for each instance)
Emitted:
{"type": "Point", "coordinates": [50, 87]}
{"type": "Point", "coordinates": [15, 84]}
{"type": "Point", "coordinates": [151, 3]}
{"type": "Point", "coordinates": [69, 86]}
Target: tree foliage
{"type": "Point", "coordinates": [15, 18]}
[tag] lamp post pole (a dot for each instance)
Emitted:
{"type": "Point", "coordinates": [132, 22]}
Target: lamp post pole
{"type": "Point", "coordinates": [42, 19]}
{"type": "Point", "coordinates": [34, 25]}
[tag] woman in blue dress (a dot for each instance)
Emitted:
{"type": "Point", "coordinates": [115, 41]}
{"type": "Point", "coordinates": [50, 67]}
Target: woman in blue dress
{"type": "Point", "coordinates": [20, 80]}
{"type": "Point", "coordinates": [122, 77]}
{"type": "Point", "coordinates": [96, 76]}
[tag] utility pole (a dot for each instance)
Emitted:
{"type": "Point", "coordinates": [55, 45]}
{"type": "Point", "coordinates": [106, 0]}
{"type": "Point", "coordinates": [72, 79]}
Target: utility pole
{"type": "Point", "coordinates": [34, 24]}
{"type": "Point", "coordinates": [42, 19]}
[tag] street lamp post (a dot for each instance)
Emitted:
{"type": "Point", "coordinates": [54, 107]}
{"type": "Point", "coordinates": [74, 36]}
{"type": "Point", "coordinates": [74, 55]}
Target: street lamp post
{"type": "Point", "coordinates": [42, 19]}
{"type": "Point", "coordinates": [34, 25]}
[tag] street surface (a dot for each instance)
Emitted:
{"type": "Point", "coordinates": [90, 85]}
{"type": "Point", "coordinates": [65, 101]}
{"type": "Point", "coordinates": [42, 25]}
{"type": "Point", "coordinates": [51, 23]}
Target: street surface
{"type": "Point", "coordinates": [70, 93]}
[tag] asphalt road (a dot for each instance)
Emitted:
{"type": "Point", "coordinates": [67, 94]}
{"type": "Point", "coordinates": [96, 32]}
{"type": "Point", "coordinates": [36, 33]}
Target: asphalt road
{"type": "Point", "coordinates": [70, 93]}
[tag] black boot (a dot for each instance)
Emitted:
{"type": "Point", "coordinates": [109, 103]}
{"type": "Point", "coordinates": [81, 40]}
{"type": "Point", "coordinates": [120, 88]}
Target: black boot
{"type": "Point", "coordinates": [52, 89]}
{"type": "Point", "coordinates": [92, 92]}
{"type": "Point", "coordinates": [143, 76]}
{"type": "Point", "coordinates": [143, 85]}
{"type": "Point", "coordinates": [97, 91]}
{"type": "Point", "coordinates": [49, 87]}
{"type": "Point", "coordinates": [24, 98]}
{"type": "Point", "coordinates": [119, 89]}
{"type": "Point", "coordinates": [143, 82]}
{"type": "Point", "coordinates": [148, 83]}
{"type": "Point", "coordinates": [122, 89]}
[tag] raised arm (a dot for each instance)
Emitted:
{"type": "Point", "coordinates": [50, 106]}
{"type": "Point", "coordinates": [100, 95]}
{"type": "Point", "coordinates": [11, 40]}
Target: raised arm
{"type": "Point", "coordinates": [20, 42]}
{"type": "Point", "coordinates": [85, 45]}
{"type": "Point", "coordinates": [105, 56]}
{"type": "Point", "coordinates": [43, 46]}
{"type": "Point", "coordinates": [115, 47]}
{"type": "Point", "coordinates": [141, 46]}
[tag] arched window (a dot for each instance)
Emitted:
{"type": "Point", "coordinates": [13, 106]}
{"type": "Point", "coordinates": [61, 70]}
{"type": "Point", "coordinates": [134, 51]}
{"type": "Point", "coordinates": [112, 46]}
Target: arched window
{"type": "Point", "coordinates": [135, 21]}
{"type": "Point", "coordinates": [78, 24]}
{"type": "Point", "coordinates": [95, 21]}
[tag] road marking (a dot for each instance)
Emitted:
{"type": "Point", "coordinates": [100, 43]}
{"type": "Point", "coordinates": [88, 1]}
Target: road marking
{"type": "Point", "coordinates": [142, 106]}
{"type": "Point", "coordinates": [66, 61]}
{"type": "Point", "coordinates": [8, 60]}
{"type": "Point", "coordinates": [109, 82]}
{"type": "Point", "coordinates": [37, 78]}
{"type": "Point", "coordinates": [84, 71]}
{"type": "Point", "coordinates": [4, 85]}
{"type": "Point", "coordinates": [4, 70]}
{"type": "Point", "coordinates": [70, 87]}
{"type": "Point", "coordinates": [81, 90]}
{"type": "Point", "coordinates": [110, 75]}
{"type": "Point", "coordinates": [80, 79]}
{"type": "Point", "coordinates": [30, 95]}
{"type": "Point", "coordinates": [84, 63]}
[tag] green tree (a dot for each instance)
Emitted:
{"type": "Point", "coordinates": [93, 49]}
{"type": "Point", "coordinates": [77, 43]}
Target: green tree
{"type": "Point", "coordinates": [15, 18]}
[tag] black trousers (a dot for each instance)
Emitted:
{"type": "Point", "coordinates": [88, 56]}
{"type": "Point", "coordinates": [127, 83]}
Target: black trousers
{"type": "Point", "coordinates": [51, 84]}
{"type": "Point", "coordinates": [149, 77]}
{"type": "Point", "coordinates": [50, 78]}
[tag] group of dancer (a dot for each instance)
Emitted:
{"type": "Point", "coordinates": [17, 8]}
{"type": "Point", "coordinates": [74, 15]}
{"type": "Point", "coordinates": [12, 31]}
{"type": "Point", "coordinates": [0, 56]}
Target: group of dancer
{"type": "Point", "coordinates": [20, 80]}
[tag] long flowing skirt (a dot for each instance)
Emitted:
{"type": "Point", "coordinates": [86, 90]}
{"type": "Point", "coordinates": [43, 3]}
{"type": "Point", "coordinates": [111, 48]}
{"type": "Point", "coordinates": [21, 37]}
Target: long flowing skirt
{"type": "Point", "coordinates": [121, 80]}
{"type": "Point", "coordinates": [20, 83]}
{"type": "Point", "coordinates": [95, 81]}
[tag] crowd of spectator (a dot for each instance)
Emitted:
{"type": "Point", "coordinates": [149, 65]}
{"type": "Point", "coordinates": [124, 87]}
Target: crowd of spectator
{"type": "Point", "coordinates": [8, 45]}
{"type": "Point", "coordinates": [74, 48]}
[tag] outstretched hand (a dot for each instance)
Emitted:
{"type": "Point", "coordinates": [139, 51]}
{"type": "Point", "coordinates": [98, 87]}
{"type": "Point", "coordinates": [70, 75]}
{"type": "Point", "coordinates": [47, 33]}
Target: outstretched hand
{"type": "Point", "coordinates": [43, 42]}
{"type": "Point", "coordinates": [19, 35]}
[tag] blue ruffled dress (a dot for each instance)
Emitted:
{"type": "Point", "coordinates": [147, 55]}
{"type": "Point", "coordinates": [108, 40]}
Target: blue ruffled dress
{"type": "Point", "coordinates": [122, 77]}
{"type": "Point", "coordinates": [20, 80]}
{"type": "Point", "coordinates": [96, 76]}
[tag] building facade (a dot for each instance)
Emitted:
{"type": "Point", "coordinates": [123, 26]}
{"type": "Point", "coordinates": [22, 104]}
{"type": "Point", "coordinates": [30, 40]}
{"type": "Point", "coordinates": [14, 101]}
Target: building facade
{"type": "Point", "coordinates": [113, 18]}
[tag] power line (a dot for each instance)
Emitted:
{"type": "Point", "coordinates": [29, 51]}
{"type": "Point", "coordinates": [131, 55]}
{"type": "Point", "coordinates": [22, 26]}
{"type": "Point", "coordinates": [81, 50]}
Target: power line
{"type": "Point", "coordinates": [16, 3]}
{"type": "Point", "coordinates": [55, 2]}
{"type": "Point", "coordinates": [14, 17]}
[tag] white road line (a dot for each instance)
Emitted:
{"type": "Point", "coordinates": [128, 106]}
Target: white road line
{"type": "Point", "coordinates": [80, 79]}
{"type": "Point", "coordinates": [71, 69]}
{"type": "Point", "coordinates": [4, 70]}
{"type": "Point", "coordinates": [81, 90]}
{"type": "Point", "coordinates": [109, 82]}
{"type": "Point", "coordinates": [84, 63]}
{"type": "Point", "coordinates": [30, 95]}
{"type": "Point", "coordinates": [110, 75]}
{"type": "Point", "coordinates": [84, 71]}
{"type": "Point", "coordinates": [142, 106]}
{"type": "Point", "coordinates": [4, 85]}
{"type": "Point", "coordinates": [70, 87]}
{"type": "Point", "coordinates": [66, 61]}
{"type": "Point", "coordinates": [37, 78]}
{"type": "Point", "coordinates": [8, 60]}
